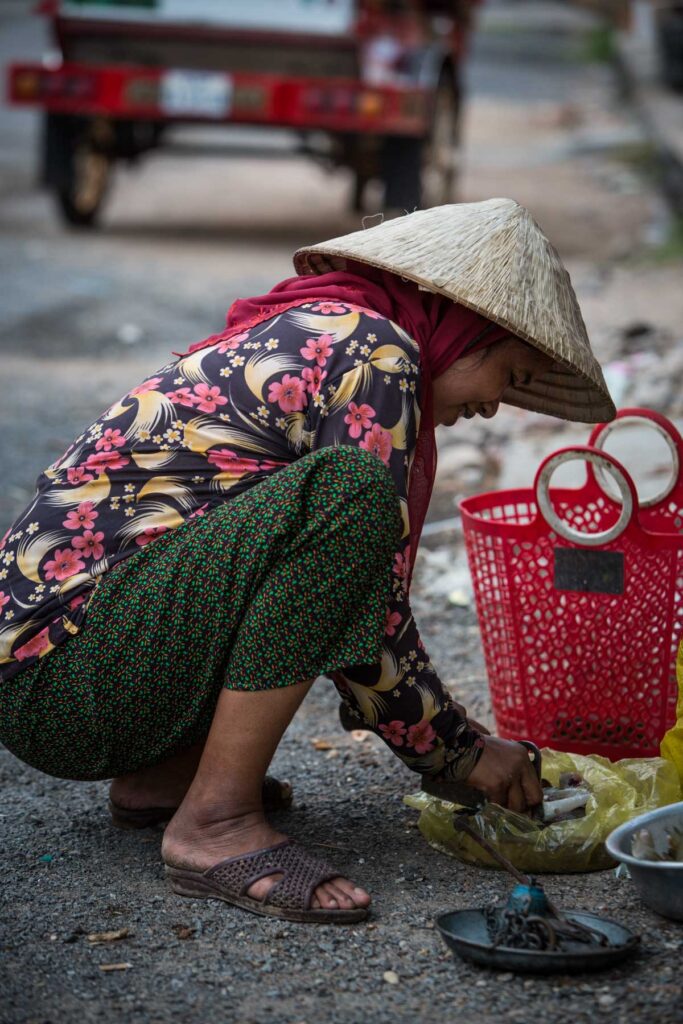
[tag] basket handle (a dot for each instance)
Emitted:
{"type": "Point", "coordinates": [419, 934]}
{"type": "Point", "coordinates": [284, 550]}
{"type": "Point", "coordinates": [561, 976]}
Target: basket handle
{"type": "Point", "coordinates": [665, 429]}
{"type": "Point", "coordinates": [597, 459]}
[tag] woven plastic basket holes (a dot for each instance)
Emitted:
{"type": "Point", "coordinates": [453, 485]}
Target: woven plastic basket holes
{"type": "Point", "coordinates": [580, 617]}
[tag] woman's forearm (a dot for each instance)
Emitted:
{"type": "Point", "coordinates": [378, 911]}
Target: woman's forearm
{"type": "Point", "coordinates": [405, 703]}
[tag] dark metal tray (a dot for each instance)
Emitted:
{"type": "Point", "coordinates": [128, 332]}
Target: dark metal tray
{"type": "Point", "coordinates": [466, 933]}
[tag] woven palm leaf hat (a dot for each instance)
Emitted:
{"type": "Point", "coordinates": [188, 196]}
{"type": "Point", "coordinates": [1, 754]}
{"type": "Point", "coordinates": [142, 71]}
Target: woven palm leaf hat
{"type": "Point", "coordinates": [493, 258]}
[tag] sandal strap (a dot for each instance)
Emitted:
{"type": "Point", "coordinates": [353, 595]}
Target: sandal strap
{"type": "Point", "coordinates": [301, 872]}
{"type": "Point", "coordinates": [272, 794]}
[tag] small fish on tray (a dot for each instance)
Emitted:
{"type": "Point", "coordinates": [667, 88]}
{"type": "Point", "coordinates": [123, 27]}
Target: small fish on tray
{"type": "Point", "coordinates": [516, 927]}
{"type": "Point", "coordinates": [665, 847]}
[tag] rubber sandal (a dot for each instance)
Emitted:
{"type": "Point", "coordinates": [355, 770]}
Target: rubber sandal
{"type": "Point", "coordinates": [146, 817]}
{"type": "Point", "coordinates": [289, 898]}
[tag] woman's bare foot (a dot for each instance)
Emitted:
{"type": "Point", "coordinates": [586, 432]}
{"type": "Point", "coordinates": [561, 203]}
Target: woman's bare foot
{"type": "Point", "coordinates": [166, 784]}
{"type": "Point", "coordinates": [200, 844]}
{"type": "Point", "coordinates": [161, 785]}
{"type": "Point", "coordinates": [138, 793]}
{"type": "Point", "coordinates": [222, 813]}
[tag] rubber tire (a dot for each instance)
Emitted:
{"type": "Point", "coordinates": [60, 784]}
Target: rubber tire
{"type": "Point", "coordinates": [68, 145]}
{"type": "Point", "coordinates": [404, 160]}
{"type": "Point", "coordinates": [447, 104]}
{"type": "Point", "coordinates": [72, 211]}
{"type": "Point", "coordinates": [401, 161]}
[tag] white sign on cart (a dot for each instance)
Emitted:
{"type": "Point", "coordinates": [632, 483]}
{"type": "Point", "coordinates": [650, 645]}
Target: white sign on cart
{"type": "Point", "coordinates": [318, 17]}
{"type": "Point", "coordinates": [195, 94]}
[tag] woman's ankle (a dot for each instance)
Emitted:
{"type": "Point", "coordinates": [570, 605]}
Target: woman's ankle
{"type": "Point", "coordinates": [162, 784]}
{"type": "Point", "coordinates": [198, 840]}
{"type": "Point", "coordinates": [140, 790]}
{"type": "Point", "coordinates": [215, 818]}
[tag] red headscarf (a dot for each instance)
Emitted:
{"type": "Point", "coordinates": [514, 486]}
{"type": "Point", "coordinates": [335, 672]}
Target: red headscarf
{"type": "Point", "coordinates": [443, 330]}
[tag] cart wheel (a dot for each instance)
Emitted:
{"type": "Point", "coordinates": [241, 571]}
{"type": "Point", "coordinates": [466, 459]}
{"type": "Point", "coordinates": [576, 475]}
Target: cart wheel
{"type": "Point", "coordinates": [80, 198]}
{"type": "Point", "coordinates": [77, 162]}
{"type": "Point", "coordinates": [360, 182]}
{"type": "Point", "coordinates": [419, 173]}
{"type": "Point", "coordinates": [401, 173]}
{"type": "Point", "coordinates": [441, 153]}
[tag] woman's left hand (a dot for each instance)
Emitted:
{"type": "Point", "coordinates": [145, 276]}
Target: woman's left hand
{"type": "Point", "coordinates": [506, 776]}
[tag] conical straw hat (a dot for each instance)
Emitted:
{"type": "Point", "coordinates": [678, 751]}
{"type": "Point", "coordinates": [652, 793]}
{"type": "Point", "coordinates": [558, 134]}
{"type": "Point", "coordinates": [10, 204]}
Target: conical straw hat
{"type": "Point", "coordinates": [493, 258]}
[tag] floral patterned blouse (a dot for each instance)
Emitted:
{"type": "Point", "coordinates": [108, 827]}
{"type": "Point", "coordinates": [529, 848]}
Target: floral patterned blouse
{"type": "Point", "coordinates": [201, 430]}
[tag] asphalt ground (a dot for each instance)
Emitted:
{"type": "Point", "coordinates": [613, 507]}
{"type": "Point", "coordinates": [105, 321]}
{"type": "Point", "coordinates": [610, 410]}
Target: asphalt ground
{"type": "Point", "coordinates": [180, 240]}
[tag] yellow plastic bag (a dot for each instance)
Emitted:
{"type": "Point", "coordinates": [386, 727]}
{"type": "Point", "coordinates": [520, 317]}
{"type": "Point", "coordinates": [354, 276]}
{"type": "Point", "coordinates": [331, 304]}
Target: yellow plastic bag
{"type": "Point", "coordinates": [672, 744]}
{"type": "Point", "coordinates": [619, 791]}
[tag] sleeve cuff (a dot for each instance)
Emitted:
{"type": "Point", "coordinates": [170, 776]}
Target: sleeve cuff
{"type": "Point", "coordinates": [459, 761]}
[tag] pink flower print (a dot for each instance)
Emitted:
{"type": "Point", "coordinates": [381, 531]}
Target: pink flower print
{"type": "Point", "coordinates": [110, 439]}
{"type": "Point", "coordinates": [228, 462]}
{"type": "Point", "coordinates": [201, 511]}
{"type": "Point", "coordinates": [4, 539]}
{"type": "Point", "coordinates": [90, 544]}
{"type": "Point", "coordinates": [319, 349]}
{"type": "Point", "coordinates": [230, 344]}
{"type": "Point", "coordinates": [402, 563]}
{"type": "Point", "coordinates": [83, 518]}
{"type": "Point", "coordinates": [66, 562]}
{"type": "Point", "coordinates": [421, 737]}
{"type": "Point", "coordinates": [4, 598]}
{"type": "Point", "coordinates": [289, 393]}
{"type": "Point", "coordinates": [329, 307]}
{"type": "Point", "coordinates": [34, 647]}
{"type": "Point", "coordinates": [314, 376]}
{"type": "Point", "coordinates": [148, 385]}
{"type": "Point", "coordinates": [76, 602]}
{"type": "Point", "coordinates": [353, 308]}
{"type": "Point", "coordinates": [392, 621]}
{"type": "Point", "coordinates": [358, 418]}
{"type": "Point", "coordinates": [183, 396]}
{"type": "Point", "coordinates": [223, 459]}
{"type": "Point", "coordinates": [78, 475]}
{"type": "Point", "coordinates": [208, 398]}
{"type": "Point", "coordinates": [100, 462]}
{"type": "Point", "coordinates": [394, 732]}
{"type": "Point", "coordinates": [378, 441]}
{"type": "Point", "coordinates": [150, 534]}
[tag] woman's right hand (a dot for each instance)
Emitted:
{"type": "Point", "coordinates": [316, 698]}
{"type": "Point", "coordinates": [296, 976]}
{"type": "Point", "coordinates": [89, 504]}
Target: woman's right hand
{"type": "Point", "coordinates": [506, 775]}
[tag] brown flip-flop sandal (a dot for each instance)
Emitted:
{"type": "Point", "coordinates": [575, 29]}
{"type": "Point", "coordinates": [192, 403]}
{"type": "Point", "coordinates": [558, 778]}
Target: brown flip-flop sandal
{"type": "Point", "coordinates": [289, 898]}
{"type": "Point", "coordinates": [123, 817]}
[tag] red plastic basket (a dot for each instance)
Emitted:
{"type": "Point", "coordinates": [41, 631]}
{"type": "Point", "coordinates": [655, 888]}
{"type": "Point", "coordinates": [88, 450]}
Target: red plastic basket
{"type": "Point", "coordinates": [579, 594]}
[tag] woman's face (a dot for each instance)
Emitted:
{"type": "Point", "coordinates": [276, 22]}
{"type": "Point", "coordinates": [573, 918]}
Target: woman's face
{"type": "Point", "coordinates": [475, 384]}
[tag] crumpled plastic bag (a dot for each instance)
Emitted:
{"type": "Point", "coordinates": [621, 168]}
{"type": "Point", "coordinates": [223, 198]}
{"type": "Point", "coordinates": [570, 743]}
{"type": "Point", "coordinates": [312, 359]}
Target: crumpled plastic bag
{"type": "Point", "coordinates": [619, 791]}
{"type": "Point", "coordinates": [672, 744]}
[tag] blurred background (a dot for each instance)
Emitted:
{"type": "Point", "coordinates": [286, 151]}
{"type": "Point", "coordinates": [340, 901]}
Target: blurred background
{"type": "Point", "coordinates": [160, 158]}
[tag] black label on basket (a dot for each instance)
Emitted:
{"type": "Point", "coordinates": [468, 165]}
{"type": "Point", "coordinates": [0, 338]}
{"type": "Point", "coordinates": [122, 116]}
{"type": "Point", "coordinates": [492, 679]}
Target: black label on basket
{"type": "Point", "coordinates": [596, 572]}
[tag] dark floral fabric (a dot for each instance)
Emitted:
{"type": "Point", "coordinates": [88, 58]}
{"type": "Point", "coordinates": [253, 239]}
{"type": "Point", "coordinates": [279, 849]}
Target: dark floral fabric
{"type": "Point", "coordinates": [224, 600]}
{"type": "Point", "coordinates": [197, 433]}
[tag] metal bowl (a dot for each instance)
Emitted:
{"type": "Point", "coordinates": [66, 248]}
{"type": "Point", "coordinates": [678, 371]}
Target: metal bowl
{"type": "Point", "coordinates": [660, 883]}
